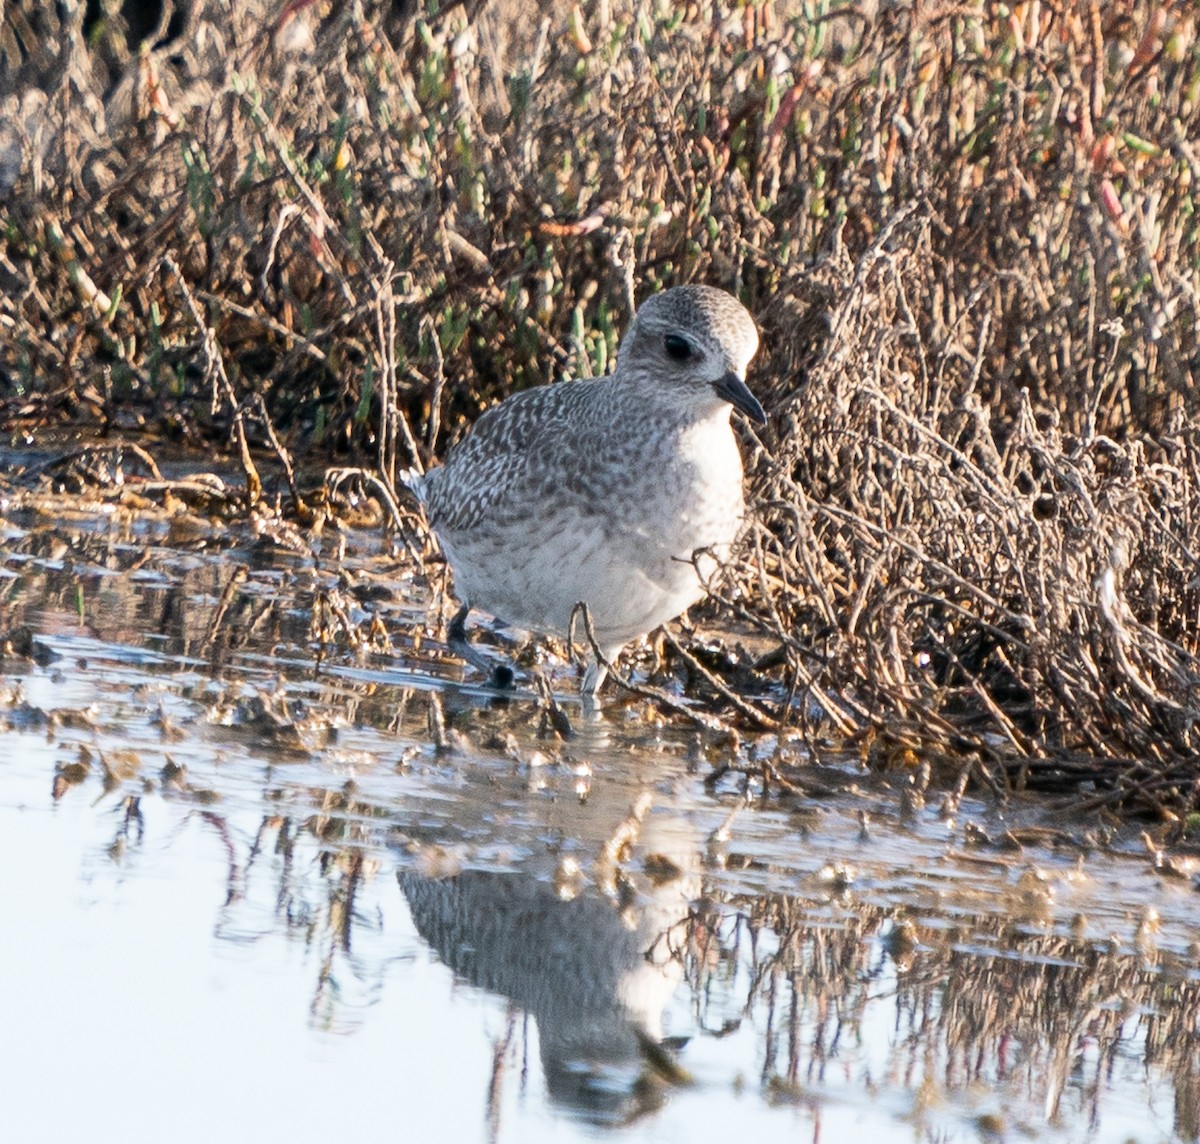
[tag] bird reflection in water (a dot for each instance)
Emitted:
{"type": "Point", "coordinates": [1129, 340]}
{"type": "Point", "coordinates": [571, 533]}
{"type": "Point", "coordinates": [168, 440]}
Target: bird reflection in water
{"type": "Point", "coordinates": [595, 970]}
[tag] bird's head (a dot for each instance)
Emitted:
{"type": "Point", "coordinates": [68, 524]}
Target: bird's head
{"type": "Point", "coordinates": [695, 342]}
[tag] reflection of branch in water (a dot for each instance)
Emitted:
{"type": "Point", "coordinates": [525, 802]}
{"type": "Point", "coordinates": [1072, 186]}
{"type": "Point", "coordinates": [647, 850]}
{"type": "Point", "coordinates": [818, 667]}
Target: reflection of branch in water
{"type": "Point", "coordinates": [500, 1053]}
{"type": "Point", "coordinates": [132, 823]}
{"type": "Point", "coordinates": [233, 884]}
{"type": "Point", "coordinates": [341, 828]}
{"type": "Point", "coordinates": [214, 642]}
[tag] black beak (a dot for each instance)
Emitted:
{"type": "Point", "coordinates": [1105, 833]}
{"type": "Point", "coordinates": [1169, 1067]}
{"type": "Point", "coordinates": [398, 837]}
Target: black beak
{"type": "Point", "coordinates": [733, 389]}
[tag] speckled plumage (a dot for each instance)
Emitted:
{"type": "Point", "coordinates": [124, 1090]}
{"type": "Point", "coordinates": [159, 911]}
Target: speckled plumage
{"type": "Point", "coordinates": [604, 491]}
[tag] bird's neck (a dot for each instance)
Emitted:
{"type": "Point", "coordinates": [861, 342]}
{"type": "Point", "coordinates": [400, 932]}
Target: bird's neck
{"type": "Point", "coordinates": [668, 404]}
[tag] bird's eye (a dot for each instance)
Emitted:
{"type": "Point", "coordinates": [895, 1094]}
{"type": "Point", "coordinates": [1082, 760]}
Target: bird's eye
{"type": "Point", "coordinates": [678, 349]}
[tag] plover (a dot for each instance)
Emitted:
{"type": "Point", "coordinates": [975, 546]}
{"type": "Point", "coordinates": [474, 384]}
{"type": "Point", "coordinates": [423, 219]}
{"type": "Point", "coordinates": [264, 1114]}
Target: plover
{"type": "Point", "coordinates": [623, 493]}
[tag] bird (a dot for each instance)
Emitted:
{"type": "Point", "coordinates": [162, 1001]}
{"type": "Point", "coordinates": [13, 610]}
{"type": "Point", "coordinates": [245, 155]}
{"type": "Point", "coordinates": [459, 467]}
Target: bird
{"type": "Point", "coordinates": [622, 493]}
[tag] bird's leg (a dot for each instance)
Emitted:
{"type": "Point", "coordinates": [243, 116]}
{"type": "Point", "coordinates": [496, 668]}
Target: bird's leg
{"type": "Point", "coordinates": [598, 659]}
{"type": "Point", "coordinates": [499, 674]}
{"type": "Point", "coordinates": [596, 672]}
{"type": "Point", "coordinates": [593, 676]}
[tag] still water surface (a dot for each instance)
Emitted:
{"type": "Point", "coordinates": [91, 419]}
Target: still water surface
{"type": "Point", "coordinates": [249, 895]}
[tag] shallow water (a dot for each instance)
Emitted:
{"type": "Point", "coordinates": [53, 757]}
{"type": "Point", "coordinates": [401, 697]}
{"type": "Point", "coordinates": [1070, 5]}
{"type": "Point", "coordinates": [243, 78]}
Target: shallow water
{"type": "Point", "coordinates": [249, 895]}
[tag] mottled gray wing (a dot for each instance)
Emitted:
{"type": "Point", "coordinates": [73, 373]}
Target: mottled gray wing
{"type": "Point", "coordinates": [507, 462]}
{"type": "Point", "coordinates": [565, 446]}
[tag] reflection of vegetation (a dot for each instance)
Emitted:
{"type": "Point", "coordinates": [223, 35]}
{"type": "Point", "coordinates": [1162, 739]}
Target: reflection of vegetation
{"type": "Point", "coordinates": [997, 1001]}
{"type": "Point", "coordinates": [342, 827]}
{"type": "Point", "coordinates": [316, 870]}
{"type": "Point", "coordinates": [988, 1003]}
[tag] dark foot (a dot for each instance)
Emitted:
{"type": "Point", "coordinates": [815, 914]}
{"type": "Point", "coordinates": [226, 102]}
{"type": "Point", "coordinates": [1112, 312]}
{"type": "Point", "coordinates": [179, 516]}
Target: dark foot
{"type": "Point", "coordinates": [457, 631]}
{"type": "Point", "coordinates": [500, 675]}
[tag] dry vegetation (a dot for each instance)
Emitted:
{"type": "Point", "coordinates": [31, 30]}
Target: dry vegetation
{"type": "Point", "coordinates": [968, 232]}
